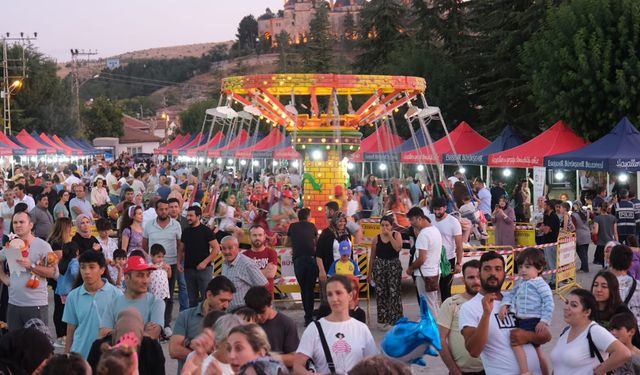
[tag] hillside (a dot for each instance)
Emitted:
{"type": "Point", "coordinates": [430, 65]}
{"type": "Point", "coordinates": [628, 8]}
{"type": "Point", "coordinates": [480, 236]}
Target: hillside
{"type": "Point", "coordinates": [92, 67]}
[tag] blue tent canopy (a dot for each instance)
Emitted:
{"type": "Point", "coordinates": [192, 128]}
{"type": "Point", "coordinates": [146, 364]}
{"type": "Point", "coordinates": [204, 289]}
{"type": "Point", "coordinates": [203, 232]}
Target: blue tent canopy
{"type": "Point", "coordinates": [507, 139]}
{"type": "Point", "coordinates": [615, 152]}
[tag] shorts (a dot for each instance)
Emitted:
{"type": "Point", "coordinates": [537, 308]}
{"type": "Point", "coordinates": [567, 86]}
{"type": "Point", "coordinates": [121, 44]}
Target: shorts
{"type": "Point", "coordinates": [528, 324]}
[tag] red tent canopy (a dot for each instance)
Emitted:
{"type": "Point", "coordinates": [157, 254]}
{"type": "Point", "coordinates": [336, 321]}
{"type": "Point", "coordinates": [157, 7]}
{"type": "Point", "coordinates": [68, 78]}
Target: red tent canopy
{"type": "Point", "coordinates": [51, 143]}
{"type": "Point", "coordinates": [287, 153]}
{"type": "Point", "coordinates": [176, 142]}
{"type": "Point", "coordinates": [274, 138]}
{"type": "Point", "coordinates": [464, 139]}
{"type": "Point", "coordinates": [4, 139]}
{"type": "Point", "coordinates": [381, 140]}
{"type": "Point", "coordinates": [27, 140]}
{"type": "Point", "coordinates": [213, 142]}
{"type": "Point", "coordinates": [71, 150]}
{"type": "Point", "coordinates": [242, 137]}
{"type": "Point", "coordinates": [557, 139]}
{"type": "Point", "coordinates": [195, 142]}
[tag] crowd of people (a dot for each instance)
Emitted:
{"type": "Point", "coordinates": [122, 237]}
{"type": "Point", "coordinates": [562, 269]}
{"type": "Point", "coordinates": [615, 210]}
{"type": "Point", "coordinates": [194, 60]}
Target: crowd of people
{"type": "Point", "coordinates": [126, 236]}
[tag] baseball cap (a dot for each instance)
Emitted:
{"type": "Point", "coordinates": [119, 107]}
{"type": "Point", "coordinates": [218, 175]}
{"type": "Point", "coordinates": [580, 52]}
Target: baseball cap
{"type": "Point", "coordinates": [287, 194]}
{"type": "Point", "coordinates": [344, 247]}
{"type": "Point", "coordinates": [137, 263]}
{"type": "Point", "coordinates": [338, 190]}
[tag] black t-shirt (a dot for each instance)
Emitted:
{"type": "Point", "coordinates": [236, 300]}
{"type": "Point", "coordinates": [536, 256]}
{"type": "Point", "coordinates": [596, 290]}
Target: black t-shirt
{"type": "Point", "coordinates": [303, 235]}
{"type": "Point", "coordinates": [282, 334]}
{"type": "Point", "coordinates": [84, 243]}
{"type": "Point", "coordinates": [552, 221]}
{"type": "Point", "coordinates": [196, 244]}
{"type": "Point", "coordinates": [324, 249]}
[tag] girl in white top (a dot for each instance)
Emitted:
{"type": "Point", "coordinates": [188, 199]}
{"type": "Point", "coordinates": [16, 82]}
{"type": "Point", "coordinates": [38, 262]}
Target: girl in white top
{"type": "Point", "coordinates": [349, 340]}
{"type": "Point", "coordinates": [571, 355]}
{"type": "Point", "coordinates": [6, 211]}
{"type": "Point", "coordinates": [159, 280]}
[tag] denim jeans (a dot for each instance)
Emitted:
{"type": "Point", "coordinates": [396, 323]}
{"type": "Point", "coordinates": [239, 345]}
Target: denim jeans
{"type": "Point", "coordinates": [583, 251]}
{"type": "Point", "coordinates": [306, 270]}
{"type": "Point", "coordinates": [197, 281]}
{"type": "Point", "coordinates": [550, 255]}
{"type": "Point", "coordinates": [183, 298]}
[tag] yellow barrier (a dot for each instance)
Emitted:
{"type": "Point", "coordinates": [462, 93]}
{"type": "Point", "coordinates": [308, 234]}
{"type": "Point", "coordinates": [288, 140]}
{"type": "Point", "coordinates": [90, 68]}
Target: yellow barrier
{"type": "Point", "coordinates": [286, 282]}
{"type": "Point", "coordinates": [525, 235]}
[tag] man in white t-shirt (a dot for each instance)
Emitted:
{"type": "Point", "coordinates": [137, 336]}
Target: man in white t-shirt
{"type": "Point", "coordinates": [451, 232]}
{"type": "Point", "coordinates": [425, 264]}
{"type": "Point", "coordinates": [488, 337]}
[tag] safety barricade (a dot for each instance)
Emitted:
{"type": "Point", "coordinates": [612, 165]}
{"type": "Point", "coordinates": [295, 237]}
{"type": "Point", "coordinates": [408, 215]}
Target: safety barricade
{"type": "Point", "coordinates": [525, 234]}
{"type": "Point", "coordinates": [565, 263]}
{"type": "Point", "coordinates": [286, 283]}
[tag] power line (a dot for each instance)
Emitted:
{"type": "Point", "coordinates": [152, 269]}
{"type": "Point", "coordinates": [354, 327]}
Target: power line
{"type": "Point", "coordinates": [22, 41]}
{"type": "Point", "coordinates": [172, 83]}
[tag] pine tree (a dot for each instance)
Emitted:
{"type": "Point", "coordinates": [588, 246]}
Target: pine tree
{"type": "Point", "coordinates": [494, 35]}
{"type": "Point", "coordinates": [382, 29]}
{"type": "Point", "coordinates": [247, 33]}
{"type": "Point", "coordinates": [317, 56]}
{"type": "Point", "coordinates": [285, 55]}
{"type": "Point", "coordinates": [350, 32]}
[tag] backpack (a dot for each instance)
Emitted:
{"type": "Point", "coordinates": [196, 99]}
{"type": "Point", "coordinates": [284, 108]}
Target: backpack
{"type": "Point", "coordinates": [445, 265]}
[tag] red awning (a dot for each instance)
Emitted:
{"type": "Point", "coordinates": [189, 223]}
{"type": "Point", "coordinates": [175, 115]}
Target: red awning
{"type": "Point", "coordinates": [287, 153]}
{"type": "Point", "coordinates": [240, 139]}
{"type": "Point", "coordinates": [27, 140]}
{"type": "Point", "coordinates": [213, 142]}
{"type": "Point", "coordinates": [51, 143]}
{"type": "Point", "coordinates": [176, 142]}
{"type": "Point", "coordinates": [464, 139]}
{"type": "Point", "coordinates": [195, 142]}
{"type": "Point", "coordinates": [557, 139]}
{"type": "Point", "coordinates": [381, 140]}
{"type": "Point", "coordinates": [274, 138]}
{"type": "Point", "coordinates": [4, 139]}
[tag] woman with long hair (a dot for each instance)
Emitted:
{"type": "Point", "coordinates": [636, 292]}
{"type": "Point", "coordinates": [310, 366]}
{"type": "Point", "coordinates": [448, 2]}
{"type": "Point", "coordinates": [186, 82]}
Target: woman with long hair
{"type": "Point", "coordinates": [522, 204]}
{"type": "Point", "coordinates": [131, 229]}
{"type": "Point", "coordinates": [340, 330]}
{"type": "Point", "coordinates": [385, 269]}
{"type": "Point", "coordinates": [60, 210]}
{"type": "Point", "coordinates": [504, 218]}
{"type": "Point", "coordinates": [397, 207]}
{"type": "Point", "coordinates": [61, 243]}
{"type": "Point", "coordinates": [580, 347]}
{"type": "Point", "coordinates": [69, 270]}
{"type": "Point", "coordinates": [606, 290]}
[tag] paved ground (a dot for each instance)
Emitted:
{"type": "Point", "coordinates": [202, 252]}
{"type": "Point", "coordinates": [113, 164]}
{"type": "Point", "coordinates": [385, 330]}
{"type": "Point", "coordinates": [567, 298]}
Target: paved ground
{"type": "Point", "coordinates": [411, 310]}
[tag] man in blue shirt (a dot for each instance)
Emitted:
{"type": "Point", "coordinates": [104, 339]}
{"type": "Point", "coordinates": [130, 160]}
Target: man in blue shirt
{"type": "Point", "coordinates": [136, 275]}
{"type": "Point", "coordinates": [86, 304]}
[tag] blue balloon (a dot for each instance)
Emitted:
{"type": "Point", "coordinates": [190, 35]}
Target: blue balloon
{"type": "Point", "coordinates": [409, 341]}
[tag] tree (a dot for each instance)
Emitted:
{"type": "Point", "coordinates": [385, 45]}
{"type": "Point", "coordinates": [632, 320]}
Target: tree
{"type": "Point", "coordinates": [350, 31]}
{"type": "Point", "coordinates": [103, 118]}
{"type": "Point", "coordinates": [494, 34]}
{"type": "Point", "coordinates": [584, 64]}
{"type": "Point", "coordinates": [44, 103]}
{"type": "Point", "coordinates": [317, 56]}
{"type": "Point", "coordinates": [440, 23]}
{"type": "Point", "coordinates": [285, 53]}
{"type": "Point", "coordinates": [247, 33]}
{"type": "Point", "coordinates": [193, 117]}
{"type": "Point", "coordinates": [382, 30]}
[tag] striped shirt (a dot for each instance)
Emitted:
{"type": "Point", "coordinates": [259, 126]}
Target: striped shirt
{"type": "Point", "coordinates": [243, 273]}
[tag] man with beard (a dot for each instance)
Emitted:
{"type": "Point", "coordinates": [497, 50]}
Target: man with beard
{"type": "Point", "coordinates": [488, 337]}
{"type": "Point", "coordinates": [265, 257]}
{"type": "Point", "coordinates": [166, 232]}
{"type": "Point", "coordinates": [451, 232]}
{"type": "Point", "coordinates": [453, 352]}
{"type": "Point", "coordinates": [199, 250]}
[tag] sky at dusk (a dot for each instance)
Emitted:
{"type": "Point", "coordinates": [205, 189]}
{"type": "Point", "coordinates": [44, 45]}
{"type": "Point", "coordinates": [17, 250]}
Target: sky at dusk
{"type": "Point", "coordinates": [117, 26]}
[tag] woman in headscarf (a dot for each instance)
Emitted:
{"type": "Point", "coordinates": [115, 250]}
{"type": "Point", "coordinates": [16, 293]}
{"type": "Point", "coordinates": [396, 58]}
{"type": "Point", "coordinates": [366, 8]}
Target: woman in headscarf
{"type": "Point", "coordinates": [327, 248]}
{"type": "Point", "coordinates": [23, 351]}
{"type": "Point", "coordinates": [83, 237]}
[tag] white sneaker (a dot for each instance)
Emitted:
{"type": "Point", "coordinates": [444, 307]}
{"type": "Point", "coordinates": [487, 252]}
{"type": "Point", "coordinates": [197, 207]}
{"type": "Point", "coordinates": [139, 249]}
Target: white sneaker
{"type": "Point", "coordinates": [60, 342]}
{"type": "Point", "coordinates": [168, 332]}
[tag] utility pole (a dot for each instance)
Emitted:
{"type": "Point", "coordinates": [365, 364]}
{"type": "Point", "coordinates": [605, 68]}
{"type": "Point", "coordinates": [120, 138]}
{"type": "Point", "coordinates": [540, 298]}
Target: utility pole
{"type": "Point", "coordinates": [14, 71]}
{"type": "Point", "coordinates": [75, 86]}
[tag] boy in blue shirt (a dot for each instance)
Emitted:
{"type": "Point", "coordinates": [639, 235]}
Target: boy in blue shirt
{"type": "Point", "coordinates": [87, 303]}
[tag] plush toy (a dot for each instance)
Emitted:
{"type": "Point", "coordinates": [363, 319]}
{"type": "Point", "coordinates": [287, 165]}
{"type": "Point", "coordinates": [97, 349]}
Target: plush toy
{"type": "Point", "coordinates": [408, 341]}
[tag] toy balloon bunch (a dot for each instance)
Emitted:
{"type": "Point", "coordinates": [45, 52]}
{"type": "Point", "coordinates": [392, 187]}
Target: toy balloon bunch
{"type": "Point", "coordinates": [46, 260]}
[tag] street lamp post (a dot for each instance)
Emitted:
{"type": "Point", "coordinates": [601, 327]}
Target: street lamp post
{"type": "Point", "coordinates": [166, 118]}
